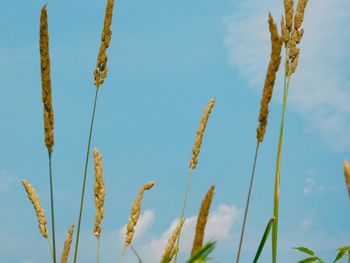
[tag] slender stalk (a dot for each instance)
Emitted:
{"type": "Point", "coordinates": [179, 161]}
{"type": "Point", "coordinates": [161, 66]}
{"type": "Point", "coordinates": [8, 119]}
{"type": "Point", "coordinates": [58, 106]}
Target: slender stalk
{"type": "Point", "coordinates": [136, 254]}
{"type": "Point", "coordinates": [278, 164]}
{"type": "Point", "coordinates": [183, 208]}
{"type": "Point", "coordinates": [50, 247]}
{"type": "Point", "coordinates": [52, 208]}
{"type": "Point", "coordinates": [98, 249]}
{"type": "Point", "coordinates": [123, 254]}
{"type": "Point", "coordinates": [85, 172]}
{"type": "Point", "coordinates": [248, 200]}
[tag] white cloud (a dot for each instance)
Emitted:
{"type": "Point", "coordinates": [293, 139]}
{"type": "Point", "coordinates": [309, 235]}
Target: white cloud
{"type": "Point", "coordinates": [320, 89]}
{"type": "Point", "coordinates": [219, 226]}
{"type": "Point", "coordinates": [311, 186]}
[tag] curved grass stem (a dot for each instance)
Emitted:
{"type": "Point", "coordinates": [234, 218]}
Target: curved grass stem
{"type": "Point", "coordinates": [85, 173]}
{"type": "Point", "coordinates": [248, 201]}
{"type": "Point", "coordinates": [183, 209]}
{"type": "Point", "coordinates": [98, 249]}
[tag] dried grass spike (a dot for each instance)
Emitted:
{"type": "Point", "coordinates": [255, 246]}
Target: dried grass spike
{"type": "Point", "coordinates": [202, 221]}
{"type": "Point", "coordinates": [40, 214]}
{"type": "Point", "coordinates": [67, 245]}
{"type": "Point", "coordinates": [347, 175]}
{"type": "Point", "coordinates": [171, 249]}
{"type": "Point", "coordinates": [135, 213]}
{"type": "Point", "coordinates": [100, 72]}
{"type": "Point", "coordinates": [46, 80]}
{"type": "Point", "coordinates": [275, 60]}
{"type": "Point", "coordinates": [200, 133]}
{"type": "Point", "coordinates": [99, 190]}
{"type": "Point", "coordinates": [285, 33]}
{"type": "Point", "coordinates": [288, 12]}
{"type": "Point", "coordinates": [299, 13]}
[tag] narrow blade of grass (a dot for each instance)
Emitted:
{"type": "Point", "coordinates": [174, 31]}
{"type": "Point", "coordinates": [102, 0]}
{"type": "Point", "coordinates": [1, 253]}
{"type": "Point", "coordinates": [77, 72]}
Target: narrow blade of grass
{"type": "Point", "coordinates": [203, 254]}
{"type": "Point", "coordinates": [263, 240]}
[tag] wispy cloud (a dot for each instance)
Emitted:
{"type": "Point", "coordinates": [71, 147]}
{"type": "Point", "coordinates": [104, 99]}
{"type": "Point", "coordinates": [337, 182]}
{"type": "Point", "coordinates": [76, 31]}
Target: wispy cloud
{"type": "Point", "coordinates": [311, 185]}
{"type": "Point", "coordinates": [219, 226]}
{"type": "Point", "coordinates": [6, 180]}
{"type": "Point", "coordinates": [320, 89]}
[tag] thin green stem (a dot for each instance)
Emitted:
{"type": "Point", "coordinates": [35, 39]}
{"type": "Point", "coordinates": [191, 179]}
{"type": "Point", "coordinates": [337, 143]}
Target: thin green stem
{"type": "Point", "coordinates": [278, 163]}
{"type": "Point", "coordinates": [85, 172]}
{"type": "Point", "coordinates": [183, 210]}
{"type": "Point", "coordinates": [52, 208]}
{"type": "Point", "coordinates": [248, 200]}
{"type": "Point", "coordinates": [50, 247]}
{"type": "Point", "coordinates": [98, 249]}
{"type": "Point", "coordinates": [136, 254]}
{"type": "Point", "coordinates": [123, 254]}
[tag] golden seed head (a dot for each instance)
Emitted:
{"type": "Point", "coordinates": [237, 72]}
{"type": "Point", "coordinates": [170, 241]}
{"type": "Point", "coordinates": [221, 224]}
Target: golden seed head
{"type": "Point", "coordinates": [299, 13]}
{"type": "Point", "coordinates": [40, 214]}
{"type": "Point", "coordinates": [288, 13]}
{"type": "Point", "coordinates": [99, 190]}
{"type": "Point", "coordinates": [171, 249]}
{"type": "Point", "coordinates": [285, 33]}
{"type": "Point", "coordinates": [275, 60]}
{"type": "Point", "coordinates": [100, 72]}
{"type": "Point", "coordinates": [200, 133]}
{"type": "Point", "coordinates": [46, 80]}
{"type": "Point", "coordinates": [67, 245]}
{"type": "Point", "coordinates": [347, 175]}
{"type": "Point", "coordinates": [135, 213]}
{"type": "Point", "coordinates": [202, 221]}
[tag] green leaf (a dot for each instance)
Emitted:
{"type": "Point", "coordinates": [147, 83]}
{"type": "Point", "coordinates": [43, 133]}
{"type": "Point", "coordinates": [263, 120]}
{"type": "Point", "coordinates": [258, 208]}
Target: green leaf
{"type": "Point", "coordinates": [203, 254]}
{"type": "Point", "coordinates": [305, 250]}
{"type": "Point", "coordinates": [345, 249]}
{"type": "Point", "coordinates": [263, 240]}
{"type": "Point", "coordinates": [309, 260]}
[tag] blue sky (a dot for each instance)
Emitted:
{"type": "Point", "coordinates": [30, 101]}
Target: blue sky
{"type": "Point", "coordinates": [166, 60]}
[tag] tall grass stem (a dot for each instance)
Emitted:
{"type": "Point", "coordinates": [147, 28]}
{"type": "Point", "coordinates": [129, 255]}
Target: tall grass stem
{"type": "Point", "coordinates": [52, 209]}
{"type": "Point", "coordinates": [278, 164]}
{"type": "Point", "coordinates": [183, 209]}
{"type": "Point", "coordinates": [50, 247]}
{"type": "Point", "coordinates": [98, 249]}
{"type": "Point", "coordinates": [85, 172]}
{"type": "Point", "coordinates": [248, 201]}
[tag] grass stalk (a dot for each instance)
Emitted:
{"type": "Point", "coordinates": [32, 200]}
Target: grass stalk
{"type": "Point", "coordinates": [184, 208]}
{"type": "Point", "coordinates": [98, 249]}
{"type": "Point", "coordinates": [50, 247]}
{"type": "Point", "coordinates": [123, 255]}
{"type": "Point", "coordinates": [52, 209]}
{"type": "Point", "coordinates": [136, 254]}
{"type": "Point", "coordinates": [278, 164]}
{"type": "Point", "coordinates": [85, 173]}
{"type": "Point", "coordinates": [248, 201]}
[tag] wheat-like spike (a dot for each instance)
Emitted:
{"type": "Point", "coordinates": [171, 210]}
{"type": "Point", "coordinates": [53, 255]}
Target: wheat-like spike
{"type": "Point", "coordinates": [40, 214]}
{"type": "Point", "coordinates": [67, 245]}
{"type": "Point", "coordinates": [135, 213]}
{"type": "Point", "coordinates": [347, 175]}
{"type": "Point", "coordinates": [275, 60]}
{"type": "Point", "coordinates": [100, 72]}
{"type": "Point", "coordinates": [200, 133]}
{"type": "Point", "coordinates": [99, 190]}
{"type": "Point", "coordinates": [171, 249]}
{"type": "Point", "coordinates": [46, 80]}
{"type": "Point", "coordinates": [285, 34]}
{"type": "Point", "coordinates": [288, 13]}
{"type": "Point", "coordinates": [299, 13]}
{"type": "Point", "coordinates": [202, 221]}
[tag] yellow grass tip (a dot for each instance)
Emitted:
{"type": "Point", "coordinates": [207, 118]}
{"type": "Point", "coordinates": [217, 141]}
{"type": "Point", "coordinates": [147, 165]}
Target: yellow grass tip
{"type": "Point", "coordinates": [347, 175]}
{"type": "Point", "coordinates": [67, 245]}
{"type": "Point", "coordinates": [40, 214]}
{"type": "Point", "coordinates": [99, 191]}
{"type": "Point", "coordinates": [275, 61]}
{"type": "Point", "coordinates": [200, 133]}
{"type": "Point", "coordinates": [46, 80]}
{"type": "Point", "coordinates": [288, 13]}
{"type": "Point", "coordinates": [135, 213]}
{"type": "Point", "coordinates": [100, 72]}
{"type": "Point", "coordinates": [202, 221]}
{"type": "Point", "coordinates": [171, 249]}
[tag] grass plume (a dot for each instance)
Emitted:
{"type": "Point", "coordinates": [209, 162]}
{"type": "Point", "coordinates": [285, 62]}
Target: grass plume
{"type": "Point", "coordinates": [67, 245]}
{"type": "Point", "coordinates": [172, 249]}
{"type": "Point", "coordinates": [347, 175]}
{"type": "Point", "coordinates": [275, 61]}
{"type": "Point", "coordinates": [202, 221]}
